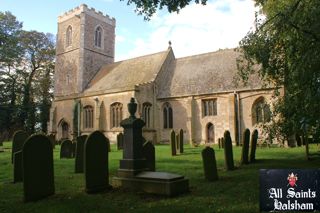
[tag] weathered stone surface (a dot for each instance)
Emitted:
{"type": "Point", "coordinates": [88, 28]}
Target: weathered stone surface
{"type": "Point", "coordinates": [52, 139]}
{"type": "Point", "coordinates": [79, 158]}
{"type": "Point", "coordinates": [181, 139]}
{"type": "Point", "coordinates": [245, 147]}
{"type": "Point", "coordinates": [18, 140]}
{"type": "Point", "coordinates": [17, 167]}
{"type": "Point", "coordinates": [254, 140]}
{"type": "Point", "coordinates": [96, 163]}
{"type": "Point", "coordinates": [228, 154]}
{"type": "Point", "coordinates": [209, 164]}
{"type": "Point", "coordinates": [173, 143]}
{"type": "Point", "coordinates": [148, 152]}
{"type": "Point", "coordinates": [37, 161]}
{"type": "Point", "coordinates": [66, 150]}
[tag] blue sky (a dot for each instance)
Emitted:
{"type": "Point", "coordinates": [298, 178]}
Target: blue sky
{"type": "Point", "coordinates": [196, 29]}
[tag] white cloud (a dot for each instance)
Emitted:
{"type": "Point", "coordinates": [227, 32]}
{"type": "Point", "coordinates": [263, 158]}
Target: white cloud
{"type": "Point", "coordinates": [197, 29]}
{"type": "Point", "coordinates": [120, 38]}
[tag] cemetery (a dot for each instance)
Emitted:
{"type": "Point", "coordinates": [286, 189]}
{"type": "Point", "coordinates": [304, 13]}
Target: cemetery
{"type": "Point", "coordinates": [133, 175]}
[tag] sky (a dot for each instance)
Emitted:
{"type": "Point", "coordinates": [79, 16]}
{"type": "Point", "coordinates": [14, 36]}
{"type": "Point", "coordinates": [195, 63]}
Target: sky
{"type": "Point", "coordinates": [194, 30]}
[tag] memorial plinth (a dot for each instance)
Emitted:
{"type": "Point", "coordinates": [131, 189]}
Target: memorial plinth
{"type": "Point", "coordinates": [133, 172]}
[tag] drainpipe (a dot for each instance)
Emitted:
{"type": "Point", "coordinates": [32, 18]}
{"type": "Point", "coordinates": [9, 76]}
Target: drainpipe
{"type": "Point", "coordinates": [79, 118]}
{"type": "Point", "coordinates": [237, 112]}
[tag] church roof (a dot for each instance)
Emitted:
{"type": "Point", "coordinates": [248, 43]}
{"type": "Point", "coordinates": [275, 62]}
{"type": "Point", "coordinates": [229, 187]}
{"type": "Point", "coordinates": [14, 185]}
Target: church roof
{"type": "Point", "coordinates": [124, 75]}
{"type": "Point", "coordinates": [204, 74]}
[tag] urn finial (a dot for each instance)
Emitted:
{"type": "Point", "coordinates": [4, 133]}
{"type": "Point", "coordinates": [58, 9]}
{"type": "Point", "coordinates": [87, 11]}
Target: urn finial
{"type": "Point", "coordinates": [132, 107]}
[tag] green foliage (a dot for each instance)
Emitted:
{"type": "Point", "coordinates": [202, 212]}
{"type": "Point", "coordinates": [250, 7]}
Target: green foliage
{"type": "Point", "coordinates": [284, 50]}
{"type": "Point", "coordinates": [245, 147]}
{"type": "Point", "coordinates": [173, 143]}
{"type": "Point", "coordinates": [26, 73]}
{"type": "Point", "coordinates": [37, 161]}
{"type": "Point", "coordinates": [149, 7]}
{"type": "Point", "coordinates": [209, 164]}
{"type": "Point", "coordinates": [254, 140]}
{"type": "Point", "coordinates": [96, 163]}
{"type": "Point", "coordinates": [228, 153]}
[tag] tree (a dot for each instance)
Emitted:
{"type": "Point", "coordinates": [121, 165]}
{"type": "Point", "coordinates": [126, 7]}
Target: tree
{"type": "Point", "coordinates": [149, 7]}
{"type": "Point", "coordinates": [286, 45]}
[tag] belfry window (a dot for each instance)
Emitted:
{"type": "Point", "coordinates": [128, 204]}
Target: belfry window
{"type": "Point", "coordinates": [167, 116]}
{"type": "Point", "coordinates": [98, 37]}
{"type": "Point", "coordinates": [69, 36]}
{"type": "Point", "coordinates": [115, 114]}
{"type": "Point", "coordinates": [88, 117]}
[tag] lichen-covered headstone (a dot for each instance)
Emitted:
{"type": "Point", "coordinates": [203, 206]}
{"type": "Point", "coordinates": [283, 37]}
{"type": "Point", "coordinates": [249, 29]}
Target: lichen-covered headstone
{"type": "Point", "coordinates": [228, 154]}
{"type": "Point", "coordinates": [148, 153]}
{"type": "Point", "coordinates": [18, 140]}
{"type": "Point", "coordinates": [17, 167]}
{"type": "Point", "coordinates": [80, 153]}
{"type": "Point", "coordinates": [37, 164]}
{"type": "Point", "coordinates": [66, 149]}
{"type": "Point", "coordinates": [209, 164]}
{"type": "Point", "coordinates": [120, 141]}
{"type": "Point", "coordinates": [254, 140]}
{"type": "Point", "coordinates": [173, 143]}
{"type": "Point", "coordinates": [96, 163]}
{"type": "Point", "coordinates": [245, 147]}
{"type": "Point", "coordinates": [181, 140]}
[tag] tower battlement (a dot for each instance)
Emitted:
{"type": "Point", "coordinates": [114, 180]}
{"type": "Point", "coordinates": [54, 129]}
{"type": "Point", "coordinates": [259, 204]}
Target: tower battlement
{"type": "Point", "coordinates": [83, 8]}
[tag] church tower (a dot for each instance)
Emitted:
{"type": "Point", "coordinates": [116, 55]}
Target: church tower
{"type": "Point", "coordinates": [85, 42]}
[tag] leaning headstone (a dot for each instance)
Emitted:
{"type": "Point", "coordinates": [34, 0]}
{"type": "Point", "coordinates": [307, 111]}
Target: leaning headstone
{"type": "Point", "coordinates": [173, 143]}
{"type": "Point", "coordinates": [17, 142]}
{"type": "Point", "coordinates": [37, 164]}
{"type": "Point", "coordinates": [228, 154]}
{"type": "Point", "coordinates": [209, 164]}
{"type": "Point", "coordinates": [254, 140]}
{"type": "Point", "coordinates": [181, 140]}
{"type": "Point", "coordinates": [66, 149]}
{"type": "Point", "coordinates": [245, 147]}
{"type": "Point", "coordinates": [120, 141]}
{"type": "Point", "coordinates": [148, 153]}
{"type": "Point", "coordinates": [80, 153]}
{"type": "Point", "coordinates": [96, 163]}
{"type": "Point", "coordinates": [17, 167]}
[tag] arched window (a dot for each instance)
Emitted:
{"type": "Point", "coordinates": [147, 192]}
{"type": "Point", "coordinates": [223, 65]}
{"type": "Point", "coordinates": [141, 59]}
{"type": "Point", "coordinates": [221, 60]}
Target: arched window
{"type": "Point", "coordinates": [116, 114]}
{"type": "Point", "coordinates": [260, 111]}
{"type": "Point", "coordinates": [146, 114]}
{"type": "Point", "coordinates": [98, 37]}
{"type": "Point", "coordinates": [69, 36]}
{"type": "Point", "coordinates": [167, 116]}
{"type": "Point", "coordinates": [209, 107]}
{"type": "Point", "coordinates": [88, 117]}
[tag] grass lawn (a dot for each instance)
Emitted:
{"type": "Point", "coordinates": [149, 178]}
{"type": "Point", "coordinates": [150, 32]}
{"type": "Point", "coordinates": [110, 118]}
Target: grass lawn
{"type": "Point", "coordinates": [236, 191]}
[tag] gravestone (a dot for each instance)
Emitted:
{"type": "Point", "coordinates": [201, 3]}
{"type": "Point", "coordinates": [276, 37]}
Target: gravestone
{"type": "Point", "coordinates": [52, 139]}
{"type": "Point", "coordinates": [66, 149]}
{"type": "Point", "coordinates": [219, 143]}
{"type": "Point", "coordinates": [37, 164]}
{"type": "Point", "coordinates": [222, 143]}
{"type": "Point", "coordinates": [254, 140]}
{"type": "Point", "coordinates": [228, 154]}
{"type": "Point", "coordinates": [178, 143]}
{"type": "Point", "coordinates": [148, 153]}
{"type": "Point", "coordinates": [17, 167]}
{"type": "Point", "coordinates": [74, 146]}
{"type": "Point", "coordinates": [245, 147]}
{"type": "Point", "coordinates": [209, 164]}
{"type": "Point", "coordinates": [80, 153]}
{"type": "Point", "coordinates": [120, 141]}
{"type": "Point", "coordinates": [181, 141]}
{"type": "Point", "coordinates": [17, 142]}
{"type": "Point", "coordinates": [173, 143]}
{"type": "Point", "coordinates": [96, 163]}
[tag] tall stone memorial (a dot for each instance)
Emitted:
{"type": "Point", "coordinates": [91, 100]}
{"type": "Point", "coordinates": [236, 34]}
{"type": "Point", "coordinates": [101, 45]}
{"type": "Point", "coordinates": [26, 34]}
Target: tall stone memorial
{"type": "Point", "coordinates": [133, 172]}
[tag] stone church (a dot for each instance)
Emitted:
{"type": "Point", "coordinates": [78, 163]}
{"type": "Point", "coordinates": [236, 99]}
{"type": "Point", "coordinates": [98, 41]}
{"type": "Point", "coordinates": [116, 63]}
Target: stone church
{"type": "Point", "coordinates": [196, 93]}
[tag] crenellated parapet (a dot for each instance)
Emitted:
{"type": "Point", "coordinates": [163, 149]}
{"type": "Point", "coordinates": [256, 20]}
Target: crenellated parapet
{"type": "Point", "coordinates": [83, 8]}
